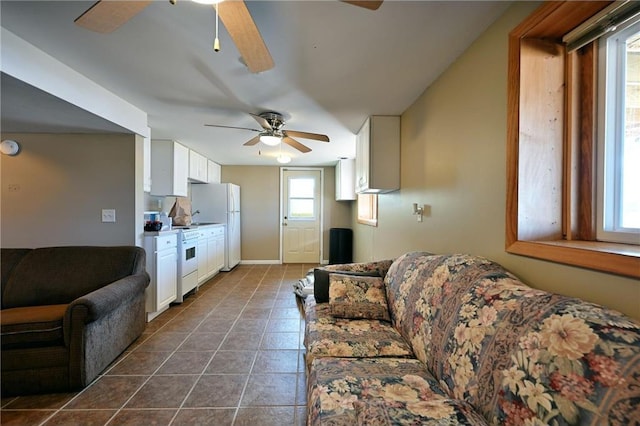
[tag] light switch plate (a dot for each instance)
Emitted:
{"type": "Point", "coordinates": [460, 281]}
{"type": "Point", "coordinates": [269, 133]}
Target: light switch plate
{"type": "Point", "coordinates": [108, 215]}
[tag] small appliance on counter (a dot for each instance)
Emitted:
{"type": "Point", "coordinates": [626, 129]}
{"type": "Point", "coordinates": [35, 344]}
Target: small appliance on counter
{"type": "Point", "coordinates": [157, 221]}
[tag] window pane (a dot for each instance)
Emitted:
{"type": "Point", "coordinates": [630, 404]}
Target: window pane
{"type": "Point", "coordinates": [301, 208]}
{"type": "Point", "coordinates": [630, 194]}
{"type": "Point", "coordinates": [368, 209]}
{"type": "Point", "coordinates": [301, 187]}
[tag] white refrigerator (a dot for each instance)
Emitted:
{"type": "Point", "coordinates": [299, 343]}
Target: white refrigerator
{"type": "Point", "coordinates": [220, 203]}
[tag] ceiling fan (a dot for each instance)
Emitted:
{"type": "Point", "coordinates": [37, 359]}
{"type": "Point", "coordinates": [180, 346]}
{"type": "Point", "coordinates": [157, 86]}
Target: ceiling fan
{"type": "Point", "coordinates": [106, 16]}
{"type": "Point", "coordinates": [272, 132]}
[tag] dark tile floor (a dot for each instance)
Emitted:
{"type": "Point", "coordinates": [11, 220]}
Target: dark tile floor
{"type": "Point", "coordinates": [231, 354]}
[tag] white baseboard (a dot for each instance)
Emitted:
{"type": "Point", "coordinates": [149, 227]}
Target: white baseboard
{"type": "Point", "coordinates": [271, 262]}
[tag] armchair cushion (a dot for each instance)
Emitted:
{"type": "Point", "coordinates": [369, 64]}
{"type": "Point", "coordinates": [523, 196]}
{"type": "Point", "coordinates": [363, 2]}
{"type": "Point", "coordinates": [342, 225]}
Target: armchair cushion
{"type": "Point", "coordinates": [32, 326]}
{"type": "Point", "coordinates": [358, 297]}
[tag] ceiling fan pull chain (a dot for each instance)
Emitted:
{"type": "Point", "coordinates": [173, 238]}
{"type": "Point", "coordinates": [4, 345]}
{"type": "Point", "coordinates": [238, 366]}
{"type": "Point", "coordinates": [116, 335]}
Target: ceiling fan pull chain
{"type": "Point", "coordinates": [216, 42]}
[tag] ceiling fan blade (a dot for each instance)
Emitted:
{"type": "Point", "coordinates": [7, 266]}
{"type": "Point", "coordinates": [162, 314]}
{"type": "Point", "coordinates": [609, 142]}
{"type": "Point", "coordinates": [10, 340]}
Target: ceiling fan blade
{"type": "Point", "coordinates": [367, 4]}
{"type": "Point", "coordinates": [297, 145]}
{"type": "Point", "coordinates": [252, 141]}
{"type": "Point", "coordinates": [232, 127]}
{"type": "Point", "coordinates": [245, 35]}
{"type": "Point", "coordinates": [107, 16]}
{"type": "Point", "coordinates": [306, 135]}
{"type": "Point", "coordinates": [262, 121]}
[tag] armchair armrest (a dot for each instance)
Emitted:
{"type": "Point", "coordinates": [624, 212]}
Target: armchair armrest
{"type": "Point", "coordinates": [100, 302]}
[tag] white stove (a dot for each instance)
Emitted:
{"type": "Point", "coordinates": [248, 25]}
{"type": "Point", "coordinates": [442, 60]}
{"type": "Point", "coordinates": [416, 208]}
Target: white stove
{"type": "Point", "coordinates": [188, 262]}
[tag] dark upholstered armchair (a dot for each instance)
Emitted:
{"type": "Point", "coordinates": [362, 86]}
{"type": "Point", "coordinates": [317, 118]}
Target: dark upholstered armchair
{"type": "Point", "coordinates": [67, 313]}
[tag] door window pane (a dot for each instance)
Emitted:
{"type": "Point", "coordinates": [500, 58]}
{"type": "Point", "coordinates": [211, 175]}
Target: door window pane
{"type": "Point", "coordinates": [301, 199]}
{"type": "Point", "coordinates": [300, 209]}
{"type": "Point", "coordinates": [301, 187]}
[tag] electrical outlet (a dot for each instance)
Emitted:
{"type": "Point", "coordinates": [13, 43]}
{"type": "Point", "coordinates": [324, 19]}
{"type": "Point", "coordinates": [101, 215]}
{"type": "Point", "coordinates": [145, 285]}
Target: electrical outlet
{"type": "Point", "coordinates": [108, 215]}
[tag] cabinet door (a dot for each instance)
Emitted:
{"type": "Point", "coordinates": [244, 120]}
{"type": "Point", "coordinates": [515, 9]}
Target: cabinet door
{"type": "Point", "coordinates": [197, 167]}
{"type": "Point", "coordinates": [211, 255]}
{"type": "Point", "coordinates": [169, 168]}
{"type": "Point", "coordinates": [362, 157]}
{"type": "Point", "coordinates": [213, 173]}
{"type": "Point", "coordinates": [180, 169]}
{"type": "Point", "coordinates": [219, 256]}
{"type": "Point", "coordinates": [203, 269]}
{"type": "Point", "coordinates": [345, 180]}
{"type": "Point", "coordinates": [166, 276]}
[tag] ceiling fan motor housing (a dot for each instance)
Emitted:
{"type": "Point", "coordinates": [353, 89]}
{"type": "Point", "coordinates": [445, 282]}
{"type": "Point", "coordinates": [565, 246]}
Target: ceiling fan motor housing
{"type": "Point", "coordinates": [275, 120]}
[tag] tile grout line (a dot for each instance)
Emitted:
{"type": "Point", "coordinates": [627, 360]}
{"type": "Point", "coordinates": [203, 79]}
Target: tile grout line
{"type": "Point", "coordinates": [246, 383]}
{"type": "Point", "coordinates": [276, 291]}
{"type": "Point", "coordinates": [214, 352]}
{"type": "Point", "coordinates": [164, 362]}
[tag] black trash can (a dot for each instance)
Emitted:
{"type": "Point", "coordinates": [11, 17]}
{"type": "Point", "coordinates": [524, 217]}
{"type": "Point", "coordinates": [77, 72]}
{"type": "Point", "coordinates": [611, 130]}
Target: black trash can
{"type": "Point", "coordinates": [340, 245]}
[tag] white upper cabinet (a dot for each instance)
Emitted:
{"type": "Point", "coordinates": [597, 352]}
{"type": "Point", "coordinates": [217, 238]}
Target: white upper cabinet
{"type": "Point", "coordinates": [169, 168]}
{"type": "Point", "coordinates": [198, 165]}
{"type": "Point", "coordinates": [346, 180]}
{"type": "Point", "coordinates": [378, 155]}
{"type": "Point", "coordinates": [213, 171]}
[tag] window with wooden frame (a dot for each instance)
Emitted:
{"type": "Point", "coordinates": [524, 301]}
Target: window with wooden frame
{"type": "Point", "coordinates": [552, 144]}
{"type": "Point", "coordinates": [368, 209]}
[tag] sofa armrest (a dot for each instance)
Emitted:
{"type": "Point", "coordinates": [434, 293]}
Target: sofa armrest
{"type": "Point", "coordinates": [99, 302]}
{"type": "Point", "coordinates": [378, 266]}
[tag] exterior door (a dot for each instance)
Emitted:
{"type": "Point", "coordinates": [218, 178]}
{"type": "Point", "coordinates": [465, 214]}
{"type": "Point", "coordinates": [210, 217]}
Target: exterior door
{"type": "Point", "coordinates": [301, 215]}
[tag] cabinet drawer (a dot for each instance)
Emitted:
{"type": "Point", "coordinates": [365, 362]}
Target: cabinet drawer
{"type": "Point", "coordinates": [217, 231]}
{"type": "Point", "coordinates": [165, 241]}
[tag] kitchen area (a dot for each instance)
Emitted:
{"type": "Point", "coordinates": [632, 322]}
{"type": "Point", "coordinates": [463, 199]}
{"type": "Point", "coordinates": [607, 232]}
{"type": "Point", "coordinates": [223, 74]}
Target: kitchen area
{"type": "Point", "coordinates": [192, 225]}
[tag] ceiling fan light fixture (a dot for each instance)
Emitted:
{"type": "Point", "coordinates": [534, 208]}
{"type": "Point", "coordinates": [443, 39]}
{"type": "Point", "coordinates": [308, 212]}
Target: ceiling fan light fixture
{"type": "Point", "coordinates": [207, 1]}
{"type": "Point", "coordinates": [283, 159]}
{"type": "Point", "coordinates": [269, 139]}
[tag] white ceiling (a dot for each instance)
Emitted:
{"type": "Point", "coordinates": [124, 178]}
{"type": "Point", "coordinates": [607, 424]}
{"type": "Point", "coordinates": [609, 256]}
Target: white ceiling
{"type": "Point", "coordinates": [335, 64]}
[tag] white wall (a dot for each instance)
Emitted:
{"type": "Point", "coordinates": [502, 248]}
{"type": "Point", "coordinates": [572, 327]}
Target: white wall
{"type": "Point", "coordinates": [453, 158]}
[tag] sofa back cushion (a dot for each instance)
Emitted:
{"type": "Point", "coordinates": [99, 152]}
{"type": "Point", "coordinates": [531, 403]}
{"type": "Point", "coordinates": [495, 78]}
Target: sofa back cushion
{"type": "Point", "coordinates": [57, 275]}
{"type": "Point", "coordinates": [9, 258]}
{"type": "Point", "coordinates": [369, 269]}
{"type": "Point", "coordinates": [513, 352]}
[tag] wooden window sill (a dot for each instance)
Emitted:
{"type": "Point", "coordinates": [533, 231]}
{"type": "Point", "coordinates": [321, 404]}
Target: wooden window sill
{"type": "Point", "coordinates": [620, 259]}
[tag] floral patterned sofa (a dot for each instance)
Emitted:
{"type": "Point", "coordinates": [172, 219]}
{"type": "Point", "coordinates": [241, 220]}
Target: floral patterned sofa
{"type": "Point", "coordinates": [457, 339]}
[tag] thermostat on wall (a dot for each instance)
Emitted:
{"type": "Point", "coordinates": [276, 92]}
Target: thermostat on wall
{"type": "Point", "coordinates": [9, 147]}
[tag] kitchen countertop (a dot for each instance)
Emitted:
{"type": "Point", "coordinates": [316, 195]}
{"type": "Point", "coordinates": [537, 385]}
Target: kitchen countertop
{"type": "Point", "coordinates": [197, 225]}
{"type": "Point", "coordinates": [160, 233]}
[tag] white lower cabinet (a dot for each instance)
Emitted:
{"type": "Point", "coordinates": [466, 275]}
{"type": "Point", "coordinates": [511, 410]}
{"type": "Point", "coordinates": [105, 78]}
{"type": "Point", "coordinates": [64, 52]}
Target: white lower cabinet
{"type": "Point", "coordinates": [219, 257]}
{"type": "Point", "coordinates": [201, 253]}
{"type": "Point", "coordinates": [210, 251]}
{"type": "Point", "coordinates": [162, 266]}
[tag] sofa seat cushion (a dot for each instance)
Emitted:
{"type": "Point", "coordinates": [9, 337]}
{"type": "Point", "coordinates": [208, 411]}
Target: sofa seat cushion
{"type": "Point", "coordinates": [326, 335]}
{"type": "Point", "coordinates": [32, 326]}
{"type": "Point", "coordinates": [381, 391]}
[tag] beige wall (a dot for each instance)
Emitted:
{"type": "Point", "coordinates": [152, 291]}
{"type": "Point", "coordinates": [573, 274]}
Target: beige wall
{"type": "Point", "coordinates": [453, 158]}
{"type": "Point", "coordinates": [64, 182]}
{"type": "Point", "coordinates": [260, 198]}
